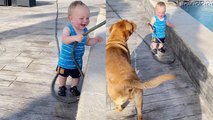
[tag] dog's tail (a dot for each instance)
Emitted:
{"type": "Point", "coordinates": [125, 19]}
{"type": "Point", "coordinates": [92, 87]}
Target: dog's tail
{"type": "Point", "coordinates": [153, 82]}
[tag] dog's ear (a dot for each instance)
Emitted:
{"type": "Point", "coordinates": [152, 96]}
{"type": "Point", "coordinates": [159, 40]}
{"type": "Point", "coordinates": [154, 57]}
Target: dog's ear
{"type": "Point", "coordinates": [152, 83]}
{"type": "Point", "coordinates": [134, 26]}
{"type": "Point", "coordinates": [130, 26]}
{"type": "Point", "coordinates": [111, 27]}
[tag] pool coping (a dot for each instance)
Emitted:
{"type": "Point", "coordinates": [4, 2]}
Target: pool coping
{"type": "Point", "coordinates": [93, 94]}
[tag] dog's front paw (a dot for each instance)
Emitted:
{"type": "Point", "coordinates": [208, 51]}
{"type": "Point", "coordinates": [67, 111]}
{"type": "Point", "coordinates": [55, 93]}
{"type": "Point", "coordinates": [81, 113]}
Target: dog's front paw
{"type": "Point", "coordinates": [140, 117]}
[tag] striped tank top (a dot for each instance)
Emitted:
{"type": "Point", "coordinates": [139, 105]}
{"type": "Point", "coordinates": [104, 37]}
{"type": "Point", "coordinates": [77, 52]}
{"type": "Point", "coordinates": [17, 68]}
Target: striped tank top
{"type": "Point", "coordinates": [159, 28]}
{"type": "Point", "coordinates": [65, 57]}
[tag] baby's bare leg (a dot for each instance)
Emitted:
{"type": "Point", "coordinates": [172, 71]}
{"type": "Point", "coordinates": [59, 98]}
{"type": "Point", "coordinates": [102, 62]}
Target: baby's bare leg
{"type": "Point", "coordinates": [154, 45]}
{"type": "Point", "coordinates": [75, 81]}
{"type": "Point", "coordinates": [62, 80]}
{"type": "Point", "coordinates": [160, 45]}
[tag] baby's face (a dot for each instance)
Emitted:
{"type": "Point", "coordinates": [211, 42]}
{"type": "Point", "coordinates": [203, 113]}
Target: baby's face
{"type": "Point", "coordinates": [80, 17]}
{"type": "Point", "coordinates": [160, 12]}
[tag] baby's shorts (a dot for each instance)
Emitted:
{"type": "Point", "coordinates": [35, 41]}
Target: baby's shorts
{"type": "Point", "coordinates": [74, 73]}
{"type": "Point", "coordinates": [157, 41]}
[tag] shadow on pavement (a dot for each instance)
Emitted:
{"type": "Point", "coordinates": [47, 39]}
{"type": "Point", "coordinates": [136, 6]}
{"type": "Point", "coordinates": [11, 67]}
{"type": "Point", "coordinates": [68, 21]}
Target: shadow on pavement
{"type": "Point", "coordinates": [43, 3]}
{"type": "Point", "coordinates": [43, 108]}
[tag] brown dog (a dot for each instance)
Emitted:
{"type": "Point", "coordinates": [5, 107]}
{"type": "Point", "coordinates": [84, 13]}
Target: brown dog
{"type": "Point", "coordinates": [123, 82]}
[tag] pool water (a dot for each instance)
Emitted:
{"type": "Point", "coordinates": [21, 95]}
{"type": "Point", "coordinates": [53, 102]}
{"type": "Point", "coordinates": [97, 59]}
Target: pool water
{"type": "Point", "coordinates": [203, 13]}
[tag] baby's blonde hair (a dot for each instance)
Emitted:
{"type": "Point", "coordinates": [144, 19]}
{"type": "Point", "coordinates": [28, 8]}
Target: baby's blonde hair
{"type": "Point", "coordinates": [160, 4]}
{"type": "Point", "coordinates": [73, 5]}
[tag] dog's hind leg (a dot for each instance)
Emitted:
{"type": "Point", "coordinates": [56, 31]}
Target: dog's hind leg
{"type": "Point", "coordinates": [138, 99]}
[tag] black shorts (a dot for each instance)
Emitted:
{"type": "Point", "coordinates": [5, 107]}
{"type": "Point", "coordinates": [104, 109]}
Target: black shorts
{"type": "Point", "coordinates": [74, 73]}
{"type": "Point", "coordinates": [157, 41]}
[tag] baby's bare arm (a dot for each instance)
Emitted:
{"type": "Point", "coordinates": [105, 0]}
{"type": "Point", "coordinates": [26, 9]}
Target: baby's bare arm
{"type": "Point", "coordinates": [152, 22]}
{"type": "Point", "coordinates": [92, 41]}
{"type": "Point", "coordinates": [67, 39]}
{"type": "Point", "coordinates": [170, 24]}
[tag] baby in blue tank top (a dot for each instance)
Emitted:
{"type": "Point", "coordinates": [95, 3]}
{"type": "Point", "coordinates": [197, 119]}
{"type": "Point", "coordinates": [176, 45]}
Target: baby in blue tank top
{"type": "Point", "coordinates": [78, 15]}
{"type": "Point", "coordinates": [159, 22]}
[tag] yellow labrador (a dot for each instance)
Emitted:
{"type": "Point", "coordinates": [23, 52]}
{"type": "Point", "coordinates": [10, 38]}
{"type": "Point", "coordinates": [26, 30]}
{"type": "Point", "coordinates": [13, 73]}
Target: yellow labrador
{"type": "Point", "coordinates": [123, 82]}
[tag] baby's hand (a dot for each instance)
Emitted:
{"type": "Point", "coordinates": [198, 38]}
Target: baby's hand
{"type": "Point", "coordinates": [98, 39]}
{"type": "Point", "coordinates": [79, 38]}
{"type": "Point", "coordinates": [172, 25]}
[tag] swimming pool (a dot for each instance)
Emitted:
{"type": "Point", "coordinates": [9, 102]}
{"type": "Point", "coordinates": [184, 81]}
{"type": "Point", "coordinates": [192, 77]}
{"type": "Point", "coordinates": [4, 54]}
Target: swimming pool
{"type": "Point", "coordinates": [202, 13]}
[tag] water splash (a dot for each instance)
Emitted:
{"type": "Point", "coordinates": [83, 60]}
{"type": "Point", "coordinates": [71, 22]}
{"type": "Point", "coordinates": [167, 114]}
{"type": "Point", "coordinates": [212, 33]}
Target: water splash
{"type": "Point", "coordinates": [135, 62]}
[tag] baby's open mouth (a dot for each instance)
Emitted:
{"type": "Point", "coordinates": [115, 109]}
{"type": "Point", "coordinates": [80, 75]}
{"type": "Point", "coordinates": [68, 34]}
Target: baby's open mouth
{"type": "Point", "coordinates": [83, 25]}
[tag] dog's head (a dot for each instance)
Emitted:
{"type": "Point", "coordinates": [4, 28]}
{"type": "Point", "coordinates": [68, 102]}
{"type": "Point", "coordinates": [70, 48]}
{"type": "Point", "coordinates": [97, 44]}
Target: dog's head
{"type": "Point", "coordinates": [123, 27]}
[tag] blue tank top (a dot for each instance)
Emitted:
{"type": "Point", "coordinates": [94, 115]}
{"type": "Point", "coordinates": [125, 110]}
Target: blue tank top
{"type": "Point", "coordinates": [159, 28]}
{"type": "Point", "coordinates": [65, 57]}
